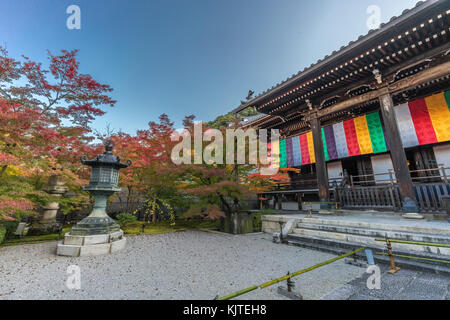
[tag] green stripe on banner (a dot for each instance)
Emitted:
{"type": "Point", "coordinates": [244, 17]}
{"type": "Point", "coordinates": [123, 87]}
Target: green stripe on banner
{"type": "Point", "coordinates": [283, 157]}
{"type": "Point", "coordinates": [376, 132]}
{"type": "Point", "coordinates": [325, 149]}
{"type": "Point", "coordinates": [447, 98]}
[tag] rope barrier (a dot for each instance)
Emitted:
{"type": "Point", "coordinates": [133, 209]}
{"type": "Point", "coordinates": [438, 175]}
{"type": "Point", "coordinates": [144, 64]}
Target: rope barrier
{"type": "Point", "coordinates": [391, 255]}
{"type": "Point", "coordinates": [272, 282]}
{"type": "Point", "coordinates": [417, 243]}
{"type": "Point", "coordinates": [411, 257]}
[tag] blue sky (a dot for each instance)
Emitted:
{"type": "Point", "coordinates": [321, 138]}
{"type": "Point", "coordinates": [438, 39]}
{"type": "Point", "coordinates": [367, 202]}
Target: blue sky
{"type": "Point", "coordinates": [183, 57]}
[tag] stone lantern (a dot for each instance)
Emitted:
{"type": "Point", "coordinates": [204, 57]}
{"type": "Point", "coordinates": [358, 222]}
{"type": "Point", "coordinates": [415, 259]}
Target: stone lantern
{"type": "Point", "coordinates": [97, 233]}
{"type": "Point", "coordinates": [48, 224]}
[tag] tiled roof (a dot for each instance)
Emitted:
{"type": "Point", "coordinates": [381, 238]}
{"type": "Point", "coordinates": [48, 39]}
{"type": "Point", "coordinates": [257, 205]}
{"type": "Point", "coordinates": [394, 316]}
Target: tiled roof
{"type": "Point", "coordinates": [342, 50]}
{"type": "Point", "coordinates": [251, 119]}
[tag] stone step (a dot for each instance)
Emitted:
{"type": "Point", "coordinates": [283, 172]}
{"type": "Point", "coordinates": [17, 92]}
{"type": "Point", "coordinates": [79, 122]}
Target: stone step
{"type": "Point", "coordinates": [445, 231]}
{"type": "Point", "coordinates": [370, 241]}
{"type": "Point", "coordinates": [340, 247]}
{"type": "Point", "coordinates": [377, 233]}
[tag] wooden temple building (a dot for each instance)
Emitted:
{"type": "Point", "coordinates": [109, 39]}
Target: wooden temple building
{"type": "Point", "coordinates": [369, 125]}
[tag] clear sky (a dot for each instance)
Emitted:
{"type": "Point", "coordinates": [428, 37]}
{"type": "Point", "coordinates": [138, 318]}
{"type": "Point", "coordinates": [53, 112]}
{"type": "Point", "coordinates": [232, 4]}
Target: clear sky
{"type": "Point", "coordinates": [185, 57]}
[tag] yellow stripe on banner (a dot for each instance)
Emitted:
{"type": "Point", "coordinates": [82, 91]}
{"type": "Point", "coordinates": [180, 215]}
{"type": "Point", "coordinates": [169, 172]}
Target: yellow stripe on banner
{"type": "Point", "coordinates": [276, 155]}
{"type": "Point", "coordinates": [363, 134]}
{"type": "Point", "coordinates": [440, 116]}
{"type": "Point", "coordinates": [312, 155]}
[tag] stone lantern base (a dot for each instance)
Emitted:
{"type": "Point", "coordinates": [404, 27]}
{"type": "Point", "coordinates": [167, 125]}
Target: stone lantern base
{"type": "Point", "coordinates": [96, 234]}
{"type": "Point", "coordinates": [91, 245]}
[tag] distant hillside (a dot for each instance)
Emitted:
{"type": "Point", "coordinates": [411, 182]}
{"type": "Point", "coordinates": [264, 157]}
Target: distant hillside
{"type": "Point", "coordinates": [229, 117]}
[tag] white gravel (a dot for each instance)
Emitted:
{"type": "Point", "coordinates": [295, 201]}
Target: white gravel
{"type": "Point", "coordinates": [183, 265]}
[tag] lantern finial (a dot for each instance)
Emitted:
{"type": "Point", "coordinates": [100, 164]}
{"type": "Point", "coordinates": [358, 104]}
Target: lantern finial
{"type": "Point", "coordinates": [109, 146]}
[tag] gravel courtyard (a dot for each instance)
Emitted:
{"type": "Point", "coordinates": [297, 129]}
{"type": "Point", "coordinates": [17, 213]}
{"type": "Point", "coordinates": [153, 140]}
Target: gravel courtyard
{"type": "Point", "coordinates": [182, 265]}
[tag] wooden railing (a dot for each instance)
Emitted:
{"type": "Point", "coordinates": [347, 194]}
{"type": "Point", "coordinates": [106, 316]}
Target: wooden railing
{"type": "Point", "coordinates": [417, 176]}
{"type": "Point", "coordinates": [374, 197]}
{"type": "Point", "coordinates": [380, 191]}
{"type": "Point", "coordinates": [430, 186]}
{"type": "Point", "coordinates": [430, 196]}
{"type": "Point", "coordinates": [307, 184]}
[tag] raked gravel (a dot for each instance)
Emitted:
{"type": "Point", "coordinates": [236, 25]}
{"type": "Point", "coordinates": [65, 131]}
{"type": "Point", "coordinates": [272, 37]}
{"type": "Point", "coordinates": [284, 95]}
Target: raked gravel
{"type": "Point", "coordinates": [182, 265]}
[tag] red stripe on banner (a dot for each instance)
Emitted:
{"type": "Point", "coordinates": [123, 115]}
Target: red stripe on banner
{"type": "Point", "coordinates": [352, 138]}
{"type": "Point", "coordinates": [422, 122]}
{"type": "Point", "coordinates": [304, 149]}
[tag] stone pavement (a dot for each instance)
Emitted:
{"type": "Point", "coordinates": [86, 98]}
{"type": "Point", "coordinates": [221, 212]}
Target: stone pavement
{"type": "Point", "coordinates": [374, 217]}
{"type": "Point", "coordinates": [404, 285]}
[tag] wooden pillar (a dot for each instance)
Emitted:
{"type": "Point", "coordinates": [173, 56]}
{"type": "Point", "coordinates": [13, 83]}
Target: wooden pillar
{"type": "Point", "coordinates": [299, 201]}
{"type": "Point", "coordinates": [398, 155]}
{"type": "Point", "coordinates": [280, 202]}
{"type": "Point", "coordinates": [321, 165]}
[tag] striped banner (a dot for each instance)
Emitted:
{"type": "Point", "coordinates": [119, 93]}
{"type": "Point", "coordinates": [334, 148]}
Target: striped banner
{"type": "Point", "coordinates": [304, 149]}
{"type": "Point", "coordinates": [324, 141]}
{"type": "Point", "coordinates": [405, 124]}
{"type": "Point", "coordinates": [283, 156]}
{"type": "Point", "coordinates": [341, 142]}
{"type": "Point", "coordinates": [275, 152]}
{"type": "Point", "coordinates": [376, 133]}
{"type": "Point", "coordinates": [420, 122]}
{"type": "Point", "coordinates": [312, 156]}
{"type": "Point", "coordinates": [289, 153]}
{"type": "Point", "coordinates": [351, 138]}
{"type": "Point", "coordinates": [296, 151]}
{"type": "Point", "coordinates": [425, 121]}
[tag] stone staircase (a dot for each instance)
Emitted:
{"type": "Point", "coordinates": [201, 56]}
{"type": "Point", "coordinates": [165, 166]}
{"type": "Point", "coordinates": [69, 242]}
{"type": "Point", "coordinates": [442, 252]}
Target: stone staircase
{"type": "Point", "coordinates": [340, 236]}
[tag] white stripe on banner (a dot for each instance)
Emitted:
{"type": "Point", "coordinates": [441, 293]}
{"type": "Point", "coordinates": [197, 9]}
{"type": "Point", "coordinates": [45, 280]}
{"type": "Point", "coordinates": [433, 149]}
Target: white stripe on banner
{"type": "Point", "coordinates": [406, 126]}
{"type": "Point", "coordinates": [341, 141]}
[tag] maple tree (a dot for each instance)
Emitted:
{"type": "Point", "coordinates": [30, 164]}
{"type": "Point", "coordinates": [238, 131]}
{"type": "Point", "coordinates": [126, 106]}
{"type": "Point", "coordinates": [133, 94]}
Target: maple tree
{"type": "Point", "coordinates": [150, 180]}
{"type": "Point", "coordinates": [59, 92]}
{"type": "Point", "coordinates": [45, 117]}
{"type": "Point", "coordinates": [214, 188]}
{"type": "Point", "coordinates": [44, 126]}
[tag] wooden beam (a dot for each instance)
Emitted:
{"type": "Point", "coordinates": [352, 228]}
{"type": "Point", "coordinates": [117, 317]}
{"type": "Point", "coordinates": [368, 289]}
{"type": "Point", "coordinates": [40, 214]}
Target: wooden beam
{"type": "Point", "coordinates": [398, 156]}
{"type": "Point", "coordinates": [427, 75]}
{"type": "Point", "coordinates": [321, 165]}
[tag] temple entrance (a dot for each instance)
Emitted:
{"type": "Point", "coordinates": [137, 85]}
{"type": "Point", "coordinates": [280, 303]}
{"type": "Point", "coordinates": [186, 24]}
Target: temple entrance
{"type": "Point", "coordinates": [360, 168]}
{"type": "Point", "coordinates": [422, 161]}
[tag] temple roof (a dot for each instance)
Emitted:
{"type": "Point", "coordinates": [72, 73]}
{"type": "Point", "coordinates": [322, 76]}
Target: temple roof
{"type": "Point", "coordinates": [397, 49]}
{"type": "Point", "coordinates": [423, 20]}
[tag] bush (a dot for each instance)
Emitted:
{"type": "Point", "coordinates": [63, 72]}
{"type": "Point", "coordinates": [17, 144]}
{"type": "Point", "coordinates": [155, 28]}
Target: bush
{"type": "Point", "coordinates": [10, 227]}
{"type": "Point", "coordinates": [257, 218]}
{"type": "Point", "coordinates": [257, 222]}
{"type": "Point", "coordinates": [2, 234]}
{"type": "Point", "coordinates": [125, 218]}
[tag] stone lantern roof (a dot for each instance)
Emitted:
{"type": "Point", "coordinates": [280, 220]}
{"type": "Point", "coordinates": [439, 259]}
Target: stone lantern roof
{"type": "Point", "coordinates": [106, 158]}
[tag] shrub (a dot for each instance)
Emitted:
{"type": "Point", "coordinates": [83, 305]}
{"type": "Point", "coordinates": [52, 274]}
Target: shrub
{"type": "Point", "coordinates": [10, 228]}
{"type": "Point", "coordinates": [257, 222]}
{"type": "Point", "coordinates": [125, 218]}
{"type": "Point", "coordinates": [2, 234]}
